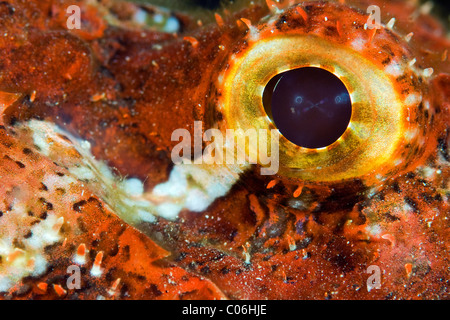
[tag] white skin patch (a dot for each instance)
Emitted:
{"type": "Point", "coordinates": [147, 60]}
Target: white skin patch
{"type": "Point", "coordinates": [29, 260]}
{"type": "Point", "coordinates": [427, 172]}
{"type": "Point", "coordinates": [359, 44]}
{"type": "Point", "coordinates": [394, 68]}
{"type": "Point", "coordinates": [413, 99]}
{"type": "Point", "coordinates": [190, 187]}
{"type": "Point", "coordinates": [194, 188]}
{"type": "Point", "coordinates": [374, 229]}
{"type": "Point", "coordinates": [411, 134]}
{"type": "Point", "coordinates": [134, 187]}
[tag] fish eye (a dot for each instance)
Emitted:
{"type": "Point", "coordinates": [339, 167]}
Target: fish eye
{"type": "Point", "coordinates": [346, 99]}
{"type": "Point", "coordinates": [309, 106]}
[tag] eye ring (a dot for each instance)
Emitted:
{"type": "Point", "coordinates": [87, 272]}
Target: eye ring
{"type": "Point", "coordinates": [375, 135]}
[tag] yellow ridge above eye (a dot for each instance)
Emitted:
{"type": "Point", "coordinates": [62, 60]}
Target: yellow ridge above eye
{"type": "Point", "coordinates": [385, 131]}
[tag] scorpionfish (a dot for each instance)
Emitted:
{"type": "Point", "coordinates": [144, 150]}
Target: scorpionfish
{"type": "Point", "coordinates": [92, 205]}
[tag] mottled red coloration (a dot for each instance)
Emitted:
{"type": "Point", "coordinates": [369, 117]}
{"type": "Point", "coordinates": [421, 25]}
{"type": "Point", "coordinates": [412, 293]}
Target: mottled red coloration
{"type": "Point", "coordinates": [112, 86]}
{"type": "Point", "coordinates": [128, 255]}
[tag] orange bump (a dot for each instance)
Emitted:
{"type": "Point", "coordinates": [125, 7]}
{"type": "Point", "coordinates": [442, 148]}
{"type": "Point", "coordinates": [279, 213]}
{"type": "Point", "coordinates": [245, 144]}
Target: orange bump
{"type": "Point", "coordinates": [42, 286]}
{"type": "Point", "coordinates": [59, 290]}
{"type": "Point", "coordinates": [339, 28]}
{"type": "Point", "coordinates": [81, 251]}
{"type": "Point", "coordinates": [58, 224]}
{"type": "Point", "coordinates": [247, 22]}
{"type": "Point", "coordinates": [408, 268]}
{"type": "Point", "coordinates": [246, 252]}
{"type": "Point", "coordinates": [240, 24]}
{"type": "Point", "coordinates": [298, 191]}
{"type": "Point", "coordinates": [272, 184]}
{"type": "Point", "coordinates": [271, 4]}
{"type": "Point", "coordinates": [15, 254]}
{"type": "Point", "coordinates": [31, 263]}
{"type": "Point", "coordinates": [302, 12]}
{"type": "Point", "coordinates": [97, 97]}
{"type": "Point", "coordinates": [112, 290]}
{"type": "Point", "coordinates": [115, 284]}
{"type": "Point", "coordinates": [409, 36]}
{"type": "Point", "coordinates": [284, 276]}
{"type": "Point", "coordinates": [372, 33]}
{"type": "Point", "coordinates": [96, 271]}
{"type": "Point", "coordinates": [376, 255]}
{"type": "Point", "coordinates": [390, 238]}
{"type": "Point", "coordinates": [219, 20]}
{"type": "Point", "coordinates": [291, 243]}
{"type": "Point", "coordinates": [192, 41]}
{"type": "Point", "coordinates": [80, 256]}
{"type": "Point", "coordinates": [98, 259]}
{"type": "Point", "coordinates": [33, 96]}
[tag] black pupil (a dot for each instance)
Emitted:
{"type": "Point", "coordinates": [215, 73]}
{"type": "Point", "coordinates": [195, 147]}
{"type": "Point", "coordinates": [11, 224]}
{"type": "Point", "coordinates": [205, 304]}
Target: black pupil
{"type": "Point", "coordinates": [311, 107]}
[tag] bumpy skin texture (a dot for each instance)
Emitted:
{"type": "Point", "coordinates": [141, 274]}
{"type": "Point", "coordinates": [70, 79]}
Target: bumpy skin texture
{"type": "Point", "coordinates": [126, 90]}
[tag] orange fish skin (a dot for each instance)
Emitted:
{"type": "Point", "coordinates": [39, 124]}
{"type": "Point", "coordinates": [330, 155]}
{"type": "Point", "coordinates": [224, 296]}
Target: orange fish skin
{"type": "Point", "coordinates": [119, 87]}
